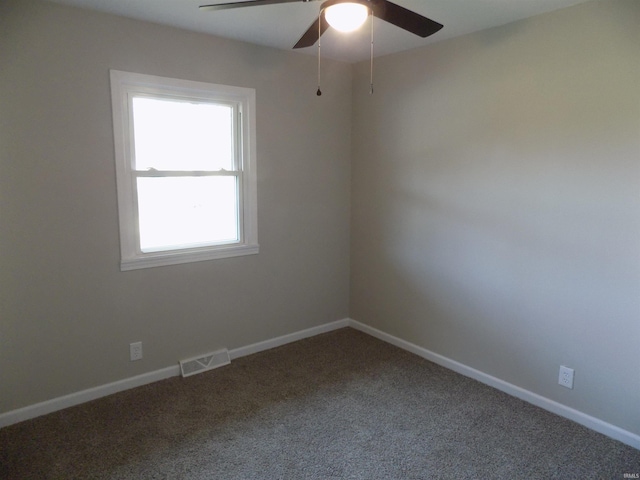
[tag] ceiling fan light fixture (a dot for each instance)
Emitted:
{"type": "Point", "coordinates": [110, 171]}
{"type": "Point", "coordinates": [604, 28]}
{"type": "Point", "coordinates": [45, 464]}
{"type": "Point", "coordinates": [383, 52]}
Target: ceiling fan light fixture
{"type": "Point", "coordinates": [346, 17]}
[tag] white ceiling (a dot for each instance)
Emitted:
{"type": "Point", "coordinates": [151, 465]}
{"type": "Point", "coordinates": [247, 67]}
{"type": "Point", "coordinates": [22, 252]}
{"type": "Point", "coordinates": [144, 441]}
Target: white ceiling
{"type": "Point", "coordinates": [281, 26]}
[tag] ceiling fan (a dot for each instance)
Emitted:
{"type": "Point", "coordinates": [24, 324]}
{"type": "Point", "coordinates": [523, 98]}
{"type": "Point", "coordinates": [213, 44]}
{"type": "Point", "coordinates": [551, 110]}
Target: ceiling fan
{"type": "Point", "coordinates": [332, 11]}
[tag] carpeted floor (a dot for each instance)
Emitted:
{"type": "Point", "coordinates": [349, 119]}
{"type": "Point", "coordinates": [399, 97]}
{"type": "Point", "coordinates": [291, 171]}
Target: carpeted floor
{"type": "Point", "coordinates": [341, 405]}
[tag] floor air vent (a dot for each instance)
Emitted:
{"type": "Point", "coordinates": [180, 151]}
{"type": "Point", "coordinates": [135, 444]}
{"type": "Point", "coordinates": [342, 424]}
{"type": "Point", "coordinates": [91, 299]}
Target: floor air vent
{"type": "Point", "coordinates": [205, 362]}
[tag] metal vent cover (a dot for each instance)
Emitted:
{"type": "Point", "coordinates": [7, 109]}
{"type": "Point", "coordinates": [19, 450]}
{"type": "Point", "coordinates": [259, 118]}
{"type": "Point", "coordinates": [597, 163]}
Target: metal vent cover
{"type": "Point", "coordinates": [202, 363]}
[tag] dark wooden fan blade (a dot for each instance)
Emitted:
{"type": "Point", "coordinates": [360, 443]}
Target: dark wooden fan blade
{"type": "Point", "coordinates": [405, 19]}
{"type": "Point", "coordinates": [312, 35]}
{"type": "Point", "coordinates": [251, 3]}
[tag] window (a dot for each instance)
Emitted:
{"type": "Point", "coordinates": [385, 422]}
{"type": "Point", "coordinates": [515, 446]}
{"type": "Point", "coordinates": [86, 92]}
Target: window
{"type": "Point", "coordinates": [185, 166]}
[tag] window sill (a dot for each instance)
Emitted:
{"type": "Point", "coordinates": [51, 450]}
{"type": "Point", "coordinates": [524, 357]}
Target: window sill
{"type": "Point", "coordinates": [160, 259]}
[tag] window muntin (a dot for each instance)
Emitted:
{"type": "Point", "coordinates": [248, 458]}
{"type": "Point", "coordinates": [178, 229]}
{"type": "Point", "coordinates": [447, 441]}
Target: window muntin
{"type": "Point", "coordinates": [185, 164]}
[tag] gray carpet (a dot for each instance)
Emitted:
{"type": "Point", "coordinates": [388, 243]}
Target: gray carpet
{"type": "Point", "coordinates": [341, 405]}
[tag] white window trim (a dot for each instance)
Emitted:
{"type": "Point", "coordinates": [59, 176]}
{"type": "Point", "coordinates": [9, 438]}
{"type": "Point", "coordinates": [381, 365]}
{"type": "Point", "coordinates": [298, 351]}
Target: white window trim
{"type": "Point", "coordinates": [123, 85]}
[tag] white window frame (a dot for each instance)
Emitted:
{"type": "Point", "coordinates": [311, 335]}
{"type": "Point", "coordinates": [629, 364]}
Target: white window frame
{"type": "Point", "coordinates": [125, 85]}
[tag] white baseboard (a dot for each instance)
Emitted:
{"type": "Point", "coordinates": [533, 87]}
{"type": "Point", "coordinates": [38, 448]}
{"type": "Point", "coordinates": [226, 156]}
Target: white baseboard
{"type": "Point", "coordinates": [588, 421]}
{"type": "Point", "coordinates": [283, 340]}
{"type": "Point", "coordinates": [83, 396]}
{"type": "Point", "coordinates": [55, 404]}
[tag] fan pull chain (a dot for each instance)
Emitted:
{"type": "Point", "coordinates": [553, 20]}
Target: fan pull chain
{"type": "Point", "coordinates": [319, 92]}
{"type": "Point", "coordinates": [371, 90]}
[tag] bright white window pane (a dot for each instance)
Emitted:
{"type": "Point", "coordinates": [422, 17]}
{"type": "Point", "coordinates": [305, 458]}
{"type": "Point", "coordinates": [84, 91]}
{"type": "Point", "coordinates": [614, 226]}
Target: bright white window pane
{"type": "Point", "coordinates": [180, 135]}
{"type": "Point", "coordinates": [185, 212]}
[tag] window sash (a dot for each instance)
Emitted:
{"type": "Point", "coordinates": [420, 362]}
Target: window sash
{"type": "Point", "coordinates": [205, 128]}
{"type": "Point", "coordinates": [241, 238]}
{"type": "Point", "coordinates": [237, 153]}
{"type": "Point", "coordinates": [223, 213]}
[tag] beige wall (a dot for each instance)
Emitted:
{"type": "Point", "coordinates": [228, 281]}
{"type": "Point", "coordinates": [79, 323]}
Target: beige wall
{"type": "Point", "coordinates": [496, 207]}
{"type": "Point", "coordinates": [67, 313]}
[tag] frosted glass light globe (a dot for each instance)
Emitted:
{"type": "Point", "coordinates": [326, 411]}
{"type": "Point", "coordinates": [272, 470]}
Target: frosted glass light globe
{"type": "Point", "coordinates": [346, 17]}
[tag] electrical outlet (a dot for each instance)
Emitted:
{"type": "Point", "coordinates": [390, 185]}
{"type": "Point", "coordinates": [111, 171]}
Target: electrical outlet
{"type": "Point", "coordinates": [565, 377]}
{"type": "Point", "coordinates": [135, 351]}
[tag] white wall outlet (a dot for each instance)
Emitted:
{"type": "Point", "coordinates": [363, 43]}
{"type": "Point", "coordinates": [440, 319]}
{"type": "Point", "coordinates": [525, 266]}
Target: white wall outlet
{"type": "Point", "coordinates": [135, 351]}
{"type": "Point", "coordinates": [565, 378]}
